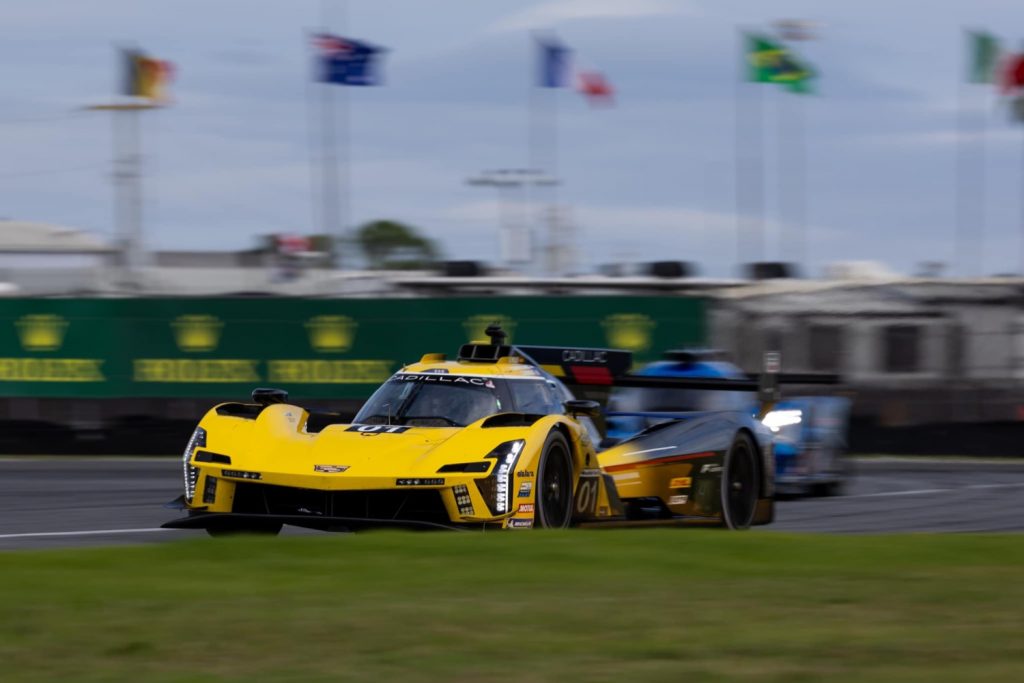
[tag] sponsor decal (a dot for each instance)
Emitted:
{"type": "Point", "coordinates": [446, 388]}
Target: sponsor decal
{"type": "Point", "coordinates": [620, 476]}
{"type": "Point", "coordinates": [331, 333]}
{"type": "Point", "coordinates": [443, 379]}
{"type": "Point", "coordinates": [377, 429]}
{"type": "Point", "coordinates": [525, 489]}
{"type": "Point", "coordinates": [589, 356]}
{"type": "Point", "coordinates": [520, 524]}
{"type": "Point", "coordinates": [241, 474]}
{"type": "Point", "coordinates": [680, 483]}
{"type": "Point", "coordinates": [678, 500]}
{"type": "Point", "coordinates": [324, 371]}
{"type": "Point", "coordinates": [525, 474]}
{"type": "Point", "coordinates": [526, 507]}
{"type": "Point", "coordinates": [590, 473]}
{"type": "Point", "coordinates": [436, 371]}
{"type": "Point", "coordinates": [602, 511]}
{"type": "Point", "coordinates": [630, 331]}
{"type": "Point", "coordinates": [710, 469]}
{"type": "Point", "coordinates": [51, 370]}
{"type": "Point", "coordinates": [435, 481]}
{"type": "Point", "coordinates": [197, 333]}
{"type": "Point", "coordinates": [330, 469]}
{"type": "Point", "coordinates": [41, 331]}
{"type": "Point", "coordinates": [192, 370]}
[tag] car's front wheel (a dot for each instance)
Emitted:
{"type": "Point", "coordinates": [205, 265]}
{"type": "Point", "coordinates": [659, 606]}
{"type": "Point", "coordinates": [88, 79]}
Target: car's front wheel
{"type": "Point", "coordinates": [741, 483]}
{"type": "Point", "coordinates": [554, 484]}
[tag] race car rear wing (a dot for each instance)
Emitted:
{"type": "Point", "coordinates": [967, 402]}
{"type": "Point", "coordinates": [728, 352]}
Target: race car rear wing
{"type": "Point", "coordinates": [578, 365]}
{"type": "Point", "coordinates": [766, 384]}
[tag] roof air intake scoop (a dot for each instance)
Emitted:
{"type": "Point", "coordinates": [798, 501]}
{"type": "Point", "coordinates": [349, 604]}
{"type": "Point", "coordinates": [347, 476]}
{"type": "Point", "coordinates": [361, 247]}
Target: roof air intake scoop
{"type": "Point", "coordinates": [496, 334]}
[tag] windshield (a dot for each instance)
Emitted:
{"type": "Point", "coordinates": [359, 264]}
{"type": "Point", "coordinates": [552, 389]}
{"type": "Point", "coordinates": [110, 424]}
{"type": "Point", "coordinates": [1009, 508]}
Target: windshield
{"type": "Point", "coordinates": [427, 400]}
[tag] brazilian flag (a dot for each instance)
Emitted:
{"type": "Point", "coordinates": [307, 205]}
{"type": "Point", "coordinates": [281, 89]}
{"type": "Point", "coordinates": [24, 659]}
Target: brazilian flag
{"type": "Point", "coordinates": [772, 62]}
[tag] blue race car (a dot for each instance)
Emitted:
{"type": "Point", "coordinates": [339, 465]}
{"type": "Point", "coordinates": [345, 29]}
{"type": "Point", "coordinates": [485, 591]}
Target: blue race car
{"type": "Point", "coordinates": [808, 432]}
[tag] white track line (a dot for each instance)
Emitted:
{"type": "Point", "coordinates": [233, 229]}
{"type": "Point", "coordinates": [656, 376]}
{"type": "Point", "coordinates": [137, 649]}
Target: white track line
{"type": "Point", "coordinates": [922, 492]}
{"type": "Point", "coordinates": [91, 532]}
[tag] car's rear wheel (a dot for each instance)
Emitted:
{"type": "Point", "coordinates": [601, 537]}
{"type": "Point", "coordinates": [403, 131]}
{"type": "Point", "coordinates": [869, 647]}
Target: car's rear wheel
{"type": "Point", "coordinates": [741, 483]}
{"type": "Point", "coordinates": [245, 526]}
{"type": "Point", "coordinates": [554, 484]}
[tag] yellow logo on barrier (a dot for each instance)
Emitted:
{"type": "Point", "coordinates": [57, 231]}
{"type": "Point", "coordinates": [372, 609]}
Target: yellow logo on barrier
{"type": "Point", "coordinates": [476, 324]}
{"type": "Point", "coordinates": [41, 331]}
{"type": "Point", "coordinates": [197, 332]}
{"type": "Point", "coordinates": [630, 331]}
{"type": "Point", "coordinates": [331, 333]}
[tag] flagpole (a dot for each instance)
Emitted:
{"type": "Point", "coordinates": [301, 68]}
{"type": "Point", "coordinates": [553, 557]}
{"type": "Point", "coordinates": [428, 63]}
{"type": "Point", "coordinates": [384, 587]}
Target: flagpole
{"type": "Point", "coordinates": [1022, 206]}
{"type": "Point", "coordinates": [335, 174]}
{"type": "Point", "coordinates": [315, 145]}
{"type": "Point", "coordinates": [345, 237]}
{"type": "Point", "coordinates": [555, 245]}
{"type": "Point", "coordinates": [749, 163]}
{"type": "Point", "coordinates": [544, 160]}
{"type": "Point", "coordinates": [961, 243]}
{"type": "Point", "coordinates": [135, 198]}
{"type": "Point", "coordinates": [533, 134]}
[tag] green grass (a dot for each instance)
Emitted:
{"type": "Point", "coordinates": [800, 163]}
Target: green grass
{"type": "Point", "coordinates": [637, 606]}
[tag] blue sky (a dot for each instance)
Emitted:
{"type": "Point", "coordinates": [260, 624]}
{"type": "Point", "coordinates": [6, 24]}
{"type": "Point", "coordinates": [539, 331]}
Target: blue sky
{"type": "Point", "coordinates": [652, 178]}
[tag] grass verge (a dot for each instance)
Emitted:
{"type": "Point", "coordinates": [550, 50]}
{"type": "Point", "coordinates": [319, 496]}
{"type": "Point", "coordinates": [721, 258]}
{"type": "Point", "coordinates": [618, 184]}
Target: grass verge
{"type": "Point", "coordinates": [649, 606]}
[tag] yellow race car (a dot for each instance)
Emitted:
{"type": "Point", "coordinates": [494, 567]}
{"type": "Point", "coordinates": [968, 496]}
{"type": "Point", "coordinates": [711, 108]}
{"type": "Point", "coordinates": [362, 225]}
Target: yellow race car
{"type": "Point", "coordinates": [491, 439]}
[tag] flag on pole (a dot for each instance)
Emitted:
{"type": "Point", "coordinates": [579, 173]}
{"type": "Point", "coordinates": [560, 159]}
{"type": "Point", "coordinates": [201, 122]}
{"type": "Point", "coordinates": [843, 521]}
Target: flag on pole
{"type": "Point", "coordinates": [554, 64]}
{"type": "Point", "coordinates": [1011, 74]}
{"type": "Point", "coordinates": [146, 77]}
{"type": "Point", "coordinates": [771, 62]}
{"type": "Point", "coordinates": [595, 87]}
{"type": "Point", "coordinates": [983, 55]}
{"type": "Point", "coordinates": [345, 61]}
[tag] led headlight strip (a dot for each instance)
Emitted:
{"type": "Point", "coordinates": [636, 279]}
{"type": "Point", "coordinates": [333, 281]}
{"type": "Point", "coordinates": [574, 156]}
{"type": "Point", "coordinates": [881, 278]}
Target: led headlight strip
{"type": "Point", "coordinates": [191, 474]}
{"type": "Point", "coordinates": [496, 488]}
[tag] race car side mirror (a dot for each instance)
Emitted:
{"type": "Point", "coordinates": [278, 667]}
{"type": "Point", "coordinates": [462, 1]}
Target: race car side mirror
{"type": "Point", "coordinates": [582, 407]}
{"type": "Point", "coordinates": [266, 397]}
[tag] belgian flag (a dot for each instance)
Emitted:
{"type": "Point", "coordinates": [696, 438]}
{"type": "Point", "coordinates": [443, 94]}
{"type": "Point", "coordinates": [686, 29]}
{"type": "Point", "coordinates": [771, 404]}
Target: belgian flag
{"type": "Point", "coordinates": [146, 77]}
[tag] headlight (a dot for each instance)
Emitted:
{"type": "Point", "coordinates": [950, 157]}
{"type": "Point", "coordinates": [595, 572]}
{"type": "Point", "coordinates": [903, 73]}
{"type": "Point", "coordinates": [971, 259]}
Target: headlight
{"type": "Point", "coordinates": [191, 473]}
{"type": "Point", "coordinates": [496, 488]}
{"type": "Point", "coordinates": [785, 424]}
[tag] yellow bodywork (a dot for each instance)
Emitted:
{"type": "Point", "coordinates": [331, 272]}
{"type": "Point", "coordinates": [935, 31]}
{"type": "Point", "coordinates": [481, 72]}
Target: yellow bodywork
{"type": "Point", "coordinates": [274, 448]}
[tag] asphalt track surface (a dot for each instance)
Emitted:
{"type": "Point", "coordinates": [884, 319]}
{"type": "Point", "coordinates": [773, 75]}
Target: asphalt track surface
{"type": "Point", "coordinates": [64, 502]}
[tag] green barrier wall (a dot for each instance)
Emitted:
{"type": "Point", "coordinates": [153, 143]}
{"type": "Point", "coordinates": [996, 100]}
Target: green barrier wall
{"type": "Point", "coordinates": [330, 348]}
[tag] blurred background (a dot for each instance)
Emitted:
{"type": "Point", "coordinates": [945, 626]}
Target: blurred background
{"type": "Point", "coordinates": [199, 198]}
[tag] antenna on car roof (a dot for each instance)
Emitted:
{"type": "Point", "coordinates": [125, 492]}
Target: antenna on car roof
{"type": "Point", "coordinates": [496, 334]}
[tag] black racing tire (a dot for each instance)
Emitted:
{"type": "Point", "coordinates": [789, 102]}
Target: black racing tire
{"type": "Point", "coordinates": [741, 483]}
{"type": "Point", "coordinates": [254, 527]}
{"type": "Point", "coordinates": [554, 484]}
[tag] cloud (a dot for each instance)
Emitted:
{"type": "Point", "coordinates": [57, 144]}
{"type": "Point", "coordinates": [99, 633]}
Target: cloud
{"type": "Point", "coordinates": [548, 14]}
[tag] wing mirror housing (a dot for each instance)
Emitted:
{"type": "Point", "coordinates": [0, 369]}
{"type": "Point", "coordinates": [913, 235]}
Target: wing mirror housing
{"type": "Point", "coordinates": [582, 407]}
{"type": "Point", "coordinates": [267, 397]}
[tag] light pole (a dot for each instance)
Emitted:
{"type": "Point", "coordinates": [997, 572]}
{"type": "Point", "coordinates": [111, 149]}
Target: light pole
{"type": "Point", "coordinates": [515, 237]}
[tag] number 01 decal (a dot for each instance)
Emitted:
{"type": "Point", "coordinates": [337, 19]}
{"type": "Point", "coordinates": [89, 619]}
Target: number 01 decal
{"type": "Point", "coordinates": [586, 495]}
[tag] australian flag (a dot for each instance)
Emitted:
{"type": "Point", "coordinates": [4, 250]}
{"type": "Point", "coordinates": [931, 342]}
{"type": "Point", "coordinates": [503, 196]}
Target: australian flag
{"type": "Point", "coordinates": [345, 61]}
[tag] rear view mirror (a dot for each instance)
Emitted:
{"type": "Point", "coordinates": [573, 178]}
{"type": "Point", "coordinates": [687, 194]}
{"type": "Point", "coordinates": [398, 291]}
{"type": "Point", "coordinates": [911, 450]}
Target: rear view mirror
{"type": "Point", "coordinates": [582, 407]}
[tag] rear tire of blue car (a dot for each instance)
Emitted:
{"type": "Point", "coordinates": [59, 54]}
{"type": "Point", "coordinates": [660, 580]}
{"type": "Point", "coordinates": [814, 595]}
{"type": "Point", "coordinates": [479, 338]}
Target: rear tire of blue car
{"type": "Point", "coordinates": [554, 484]}
{"type": "Point", "coordinates": [741, 483]}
